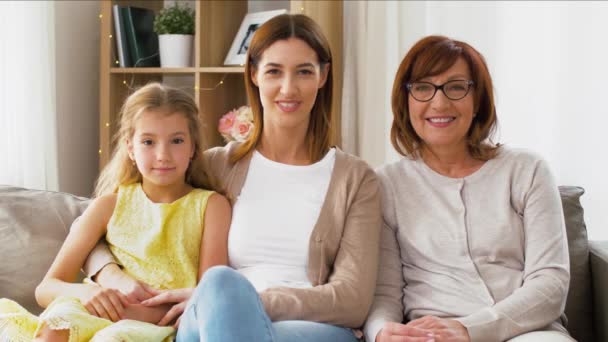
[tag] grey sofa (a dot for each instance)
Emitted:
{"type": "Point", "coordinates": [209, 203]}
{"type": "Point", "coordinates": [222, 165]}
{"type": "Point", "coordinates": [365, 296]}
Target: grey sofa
{"type": "Point", "coordinates": [34, 223]}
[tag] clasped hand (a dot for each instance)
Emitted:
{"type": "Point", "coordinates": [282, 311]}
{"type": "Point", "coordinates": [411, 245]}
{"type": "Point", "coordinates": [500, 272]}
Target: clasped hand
{"type": "Point", "coordinates": [424, 329]}
{"type": "Point", "coordinates": [136, 292]}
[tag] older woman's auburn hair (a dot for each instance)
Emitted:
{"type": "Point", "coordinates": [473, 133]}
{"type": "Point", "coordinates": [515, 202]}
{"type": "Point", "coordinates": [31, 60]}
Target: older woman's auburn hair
{"type": "Point", "coordinates": [431, 56]}
{"type": "Point", "coordinates": [282, 27]}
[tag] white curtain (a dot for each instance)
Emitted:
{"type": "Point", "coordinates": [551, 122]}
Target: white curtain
{"type": "Point", "coordinates": [28, 142]}
{"type": "Point", "coordinates": [549, 62]}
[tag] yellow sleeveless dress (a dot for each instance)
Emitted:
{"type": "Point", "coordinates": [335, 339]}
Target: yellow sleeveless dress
{"type": "Point", "coordinates": [157, 243]}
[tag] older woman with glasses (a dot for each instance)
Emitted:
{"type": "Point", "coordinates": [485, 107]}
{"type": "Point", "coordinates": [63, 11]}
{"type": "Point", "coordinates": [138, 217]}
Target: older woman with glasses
{"type": "Point", "coordinates": [474, 245]}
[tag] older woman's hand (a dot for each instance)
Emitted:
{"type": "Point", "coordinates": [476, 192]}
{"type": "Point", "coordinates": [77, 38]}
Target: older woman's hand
{"type": "Point", "coordinates": [113, 277]}
{"type": "Point", "coordinates": [443, 329]}
{"type": "Point", "coordinates": [395, 332]}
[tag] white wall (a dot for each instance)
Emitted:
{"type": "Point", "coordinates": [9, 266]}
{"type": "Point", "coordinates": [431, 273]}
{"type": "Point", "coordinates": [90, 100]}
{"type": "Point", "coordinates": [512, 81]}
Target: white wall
{"type": "Point", "coordinates": [77, 81]}
{"type": "Point", "coordinates": [551, 94]}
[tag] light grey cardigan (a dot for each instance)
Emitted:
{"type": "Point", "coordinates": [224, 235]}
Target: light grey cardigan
{"type": "Point", "coordinates": [488, 249]}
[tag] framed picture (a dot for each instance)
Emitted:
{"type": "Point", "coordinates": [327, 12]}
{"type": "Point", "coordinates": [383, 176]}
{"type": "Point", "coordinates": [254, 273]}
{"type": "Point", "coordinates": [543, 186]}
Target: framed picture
{"type": "Point", "coordinates": [251, 22]}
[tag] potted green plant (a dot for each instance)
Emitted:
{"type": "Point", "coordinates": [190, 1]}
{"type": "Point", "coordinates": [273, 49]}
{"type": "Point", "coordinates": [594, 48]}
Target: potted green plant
{"type": "Point", "coordinates": [175, 28]}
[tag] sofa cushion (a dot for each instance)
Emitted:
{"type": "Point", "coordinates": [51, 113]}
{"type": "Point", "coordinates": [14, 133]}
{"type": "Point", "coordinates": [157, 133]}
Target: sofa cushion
{"type": "Point", "coordinates": [579, 310]}
{"type": "Point", "coordinates": [33, 225]}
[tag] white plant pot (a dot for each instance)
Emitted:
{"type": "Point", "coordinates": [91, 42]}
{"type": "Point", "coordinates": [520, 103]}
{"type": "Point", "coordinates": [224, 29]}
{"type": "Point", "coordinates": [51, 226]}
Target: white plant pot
{"type": "Point", "coordinates": [175, 50]}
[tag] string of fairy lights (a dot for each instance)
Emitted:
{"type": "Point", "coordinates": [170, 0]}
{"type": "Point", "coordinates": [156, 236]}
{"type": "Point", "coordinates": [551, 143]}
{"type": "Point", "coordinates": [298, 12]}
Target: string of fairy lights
{"type": "Point", "coordinates": [130, 85]}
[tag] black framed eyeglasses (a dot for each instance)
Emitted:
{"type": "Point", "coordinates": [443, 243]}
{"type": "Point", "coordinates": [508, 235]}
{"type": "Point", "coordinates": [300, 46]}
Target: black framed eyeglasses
{"type": "Point", "coordinates": [453, 90]}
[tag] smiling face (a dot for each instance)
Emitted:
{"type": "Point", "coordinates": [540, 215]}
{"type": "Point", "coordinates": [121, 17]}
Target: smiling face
{"type": "Point", "coordinates": [161, 147]}
{"type": "Point", "coordinates": [288, 76]}
{"type": "Point", "coordinates": [442, 122]}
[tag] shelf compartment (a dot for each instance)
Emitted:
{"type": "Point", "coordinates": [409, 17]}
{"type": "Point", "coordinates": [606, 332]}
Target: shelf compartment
{"type": "Point", "coordinates": [215, 101]}
{"type": "Point", "coordinates": [209, 70]}
{"type": "Point", "coordinates": [223, 70]}
{"type": "Point", "coordinates": [152, 70]}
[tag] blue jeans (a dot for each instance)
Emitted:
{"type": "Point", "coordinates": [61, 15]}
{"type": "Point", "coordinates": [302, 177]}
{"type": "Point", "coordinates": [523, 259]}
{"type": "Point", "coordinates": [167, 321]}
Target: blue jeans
{"type": "Point", "coordinates": [225, 307]}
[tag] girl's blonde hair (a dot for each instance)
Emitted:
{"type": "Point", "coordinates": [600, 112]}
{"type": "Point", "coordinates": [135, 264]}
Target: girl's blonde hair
{"type": "Point", "coordinates": [157, 97]}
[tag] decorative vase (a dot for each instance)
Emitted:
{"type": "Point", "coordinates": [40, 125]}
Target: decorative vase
{"type": "Point", "coordinates": [175, 50]}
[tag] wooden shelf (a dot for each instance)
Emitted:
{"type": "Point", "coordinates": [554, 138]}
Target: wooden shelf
{"type": "Point", "coordinates": [210, 70]}
{"type": "Point", "coordinates": [220, 70]}
{"type": "Point", "coordinates": [153, 70]}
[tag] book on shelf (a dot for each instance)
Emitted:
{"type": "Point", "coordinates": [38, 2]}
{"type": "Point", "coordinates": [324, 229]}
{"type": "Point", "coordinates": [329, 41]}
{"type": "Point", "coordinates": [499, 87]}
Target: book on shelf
{"type": "Point", "coordinates": [124, 60]}
{"type": "Point", "coordinates": [137, 39]}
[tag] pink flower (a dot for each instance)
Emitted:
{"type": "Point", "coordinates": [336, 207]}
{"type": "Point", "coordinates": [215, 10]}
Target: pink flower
{"type": "Point", "coordinates": [227, 122]}
{"type": "Point", "coordinates": [241, 131]}
{"type": "Point", "coordinates": [237, 124]}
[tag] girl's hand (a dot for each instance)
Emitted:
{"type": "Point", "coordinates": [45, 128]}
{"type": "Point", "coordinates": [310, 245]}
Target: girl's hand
{"type": "Point", "coordinates": [113, 277]}
{"type": "Point", "coordinates": [103, 302]}
{"type": "Point", "coordinates": [178, 297]}
{"type": "Point", "coordinates": [443, 329]}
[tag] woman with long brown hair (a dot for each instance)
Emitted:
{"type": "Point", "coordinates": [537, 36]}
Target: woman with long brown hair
{"type": "Point", "coordinates": [303, 243]}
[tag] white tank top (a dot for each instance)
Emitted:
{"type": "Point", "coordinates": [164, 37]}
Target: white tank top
{"type": "Point", "coordinates": [273, 218]}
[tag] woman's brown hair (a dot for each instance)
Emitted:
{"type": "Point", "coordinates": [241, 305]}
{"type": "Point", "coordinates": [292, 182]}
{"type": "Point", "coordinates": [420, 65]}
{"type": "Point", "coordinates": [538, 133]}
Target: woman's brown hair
{"type": "Point", "coordinates": [282, 27]}
{"type": "Point", "coordinates": [431, 56]}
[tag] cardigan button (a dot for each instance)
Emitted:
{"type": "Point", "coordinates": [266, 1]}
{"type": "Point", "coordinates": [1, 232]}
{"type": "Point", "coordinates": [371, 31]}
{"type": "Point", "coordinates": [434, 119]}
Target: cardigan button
{"type": "Point", "coordinates": [318, 239]}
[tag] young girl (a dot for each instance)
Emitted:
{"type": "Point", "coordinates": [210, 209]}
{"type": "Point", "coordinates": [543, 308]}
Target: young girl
{"type": "Point", "coordinates": [151, 209]}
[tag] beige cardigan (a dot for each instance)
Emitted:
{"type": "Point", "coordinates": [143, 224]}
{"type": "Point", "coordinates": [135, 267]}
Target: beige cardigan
{"type": "Point", "coordinates": [344, 244]}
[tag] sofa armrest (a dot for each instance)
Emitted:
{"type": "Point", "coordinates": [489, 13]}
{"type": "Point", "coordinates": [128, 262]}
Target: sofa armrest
{"type": "Point", "coordinates": [598, 259]}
